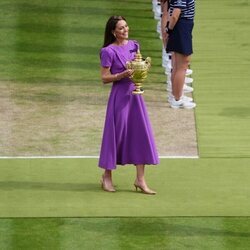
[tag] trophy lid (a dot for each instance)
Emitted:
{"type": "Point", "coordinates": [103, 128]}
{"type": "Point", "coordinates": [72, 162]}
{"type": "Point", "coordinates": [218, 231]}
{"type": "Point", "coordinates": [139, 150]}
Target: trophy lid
{"type": "Point", "coordinates": [138, 56]}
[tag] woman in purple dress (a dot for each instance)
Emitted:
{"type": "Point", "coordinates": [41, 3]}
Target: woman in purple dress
{"type": "Point", "coordinates": [127, 135]}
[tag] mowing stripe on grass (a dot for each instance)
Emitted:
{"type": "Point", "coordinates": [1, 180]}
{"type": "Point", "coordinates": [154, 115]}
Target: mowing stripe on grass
{"type": "Point", "coordinates": [221, 72]}
{"type": "Point", "coordinates": [50, 78]}
{"type": "Point", "coordinates": [89, 157]}
{"type": "Point", "coordinates": [126, 233]}
{"type": "Point", "coordinates": [71, 188]}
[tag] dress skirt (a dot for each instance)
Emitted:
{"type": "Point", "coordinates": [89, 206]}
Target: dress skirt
{"type": "Point", "coordinates": [127, 136]}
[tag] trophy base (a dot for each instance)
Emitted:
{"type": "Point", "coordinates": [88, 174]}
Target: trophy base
{"type": "Point", "coordinates": [138, 90]}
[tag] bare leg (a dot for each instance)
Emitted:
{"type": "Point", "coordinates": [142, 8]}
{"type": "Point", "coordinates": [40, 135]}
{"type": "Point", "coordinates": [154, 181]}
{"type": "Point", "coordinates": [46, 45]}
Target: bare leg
{"type": "Point", "coordinates": [140, 170]}
{"type": "Point", "coordinates": [107, 184]}
{"type": "Point", "coordinates": [180, 66]}
{"type": "Point", "coordinates": [173, 66]}
{"type": "Point", "coordinates": [140, 180]}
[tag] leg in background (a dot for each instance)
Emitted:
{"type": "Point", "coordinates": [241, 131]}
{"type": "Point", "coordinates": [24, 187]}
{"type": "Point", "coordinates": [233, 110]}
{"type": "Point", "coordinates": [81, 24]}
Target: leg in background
{"type": "Point", "coordinates": [180, 66]}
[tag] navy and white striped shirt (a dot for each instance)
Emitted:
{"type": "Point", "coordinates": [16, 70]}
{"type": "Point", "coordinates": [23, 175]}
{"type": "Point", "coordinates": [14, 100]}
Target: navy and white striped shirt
{"type": "Point", "coordinates": [187, 8]}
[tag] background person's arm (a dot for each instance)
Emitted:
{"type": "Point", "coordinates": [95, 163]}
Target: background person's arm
{"type": "Point", "coordinates": [174, 18]}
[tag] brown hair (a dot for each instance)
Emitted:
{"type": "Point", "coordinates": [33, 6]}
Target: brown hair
{"type": "Point", "coordinates": [110, 27]}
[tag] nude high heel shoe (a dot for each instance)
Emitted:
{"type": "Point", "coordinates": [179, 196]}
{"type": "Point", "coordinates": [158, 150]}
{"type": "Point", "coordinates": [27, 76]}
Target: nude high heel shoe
{"type": "Point", "coordinates": [144, 190]}
{"type": "Point", "coordinates": [105, 187]}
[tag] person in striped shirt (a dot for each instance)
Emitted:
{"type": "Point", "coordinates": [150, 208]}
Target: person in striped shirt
{"type": "Point", "coordinates": [179, 41]}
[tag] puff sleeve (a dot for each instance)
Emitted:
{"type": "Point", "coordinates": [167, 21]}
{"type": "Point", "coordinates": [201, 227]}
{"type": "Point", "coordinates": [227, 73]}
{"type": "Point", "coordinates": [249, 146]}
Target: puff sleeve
{"type": "Point", "coordinates": [106, 56]}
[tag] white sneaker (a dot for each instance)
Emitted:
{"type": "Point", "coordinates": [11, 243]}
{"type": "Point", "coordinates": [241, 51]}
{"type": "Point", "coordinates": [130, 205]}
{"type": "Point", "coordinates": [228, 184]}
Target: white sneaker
{"type": "Point", "coordinates": [187, 89]}
{"type": "Point", "coordinates": [169, 86]}
{"type": "Point", "coordinates": [186, 98]}
{"type": "Point", "coordinates": [188, 80]}
{"type": "Point", "coordinates": [165, 61]}
{"type": "Point", "coordinates": [168, 68]}
{"type": "Point", "coordinates": [182, 104]}
{"type": "Point", "coordinates": [189, 72]}
{"type": "Point", "coordinates": [183, 97]}
{"type": "Point", "coordinates": [157, 12]}
{"type": "Point", "coordinates": [154, 4]}
{"type": "Point", "coordinates": [158, 27]}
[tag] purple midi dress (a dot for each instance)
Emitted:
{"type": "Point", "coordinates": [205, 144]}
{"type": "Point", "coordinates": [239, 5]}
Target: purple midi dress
{"type": "Point", "coordinates": [127, 136]}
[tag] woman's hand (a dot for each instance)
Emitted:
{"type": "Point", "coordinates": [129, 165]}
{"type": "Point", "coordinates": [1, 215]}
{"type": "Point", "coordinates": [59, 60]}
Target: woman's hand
{"type": "Point", "coordinates": [107, 77]}
{"type": "Point", "coordinates": [127, 73]}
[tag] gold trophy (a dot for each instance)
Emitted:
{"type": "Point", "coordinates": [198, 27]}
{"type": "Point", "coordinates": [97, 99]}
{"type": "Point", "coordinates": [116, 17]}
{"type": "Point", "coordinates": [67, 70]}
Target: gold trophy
{"type": "Point", "coordinates": [140, 67]}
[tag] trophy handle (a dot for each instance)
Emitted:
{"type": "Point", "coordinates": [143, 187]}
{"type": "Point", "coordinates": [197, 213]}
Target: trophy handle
{"type": "Point", "coordinates": [148, 61]}
{"type": "Point", "coordinates": [128, 65]}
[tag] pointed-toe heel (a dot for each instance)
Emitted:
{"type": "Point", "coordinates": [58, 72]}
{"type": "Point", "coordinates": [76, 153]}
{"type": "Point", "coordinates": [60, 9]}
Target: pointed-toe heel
{"type": "Point", "coordinates": [144, 189]}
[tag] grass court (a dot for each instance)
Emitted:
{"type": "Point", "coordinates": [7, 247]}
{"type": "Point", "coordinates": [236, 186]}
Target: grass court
{"type": "Point", "coordinates": [50, 68]}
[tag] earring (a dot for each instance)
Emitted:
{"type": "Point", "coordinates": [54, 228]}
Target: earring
{"type": "Point", "coordinates": [114, 35]}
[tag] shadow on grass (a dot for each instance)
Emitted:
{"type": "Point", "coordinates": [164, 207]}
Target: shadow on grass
{"type": "Point", "coordinates": [40, 28]}
{"type": "Point", "coordinates": [56, 63]}
{"type": "Point", "coordinates": [48, 186]}
{"type": "Point", "coordinates": [37, 80]}
{"type": "Point", "coordinates": [33, 47]}
{"type": "Point", "coordinates": [240, 112]}
{"type": "Point", "coordinates": [173, 227]}
{"type": "Point", "coordinates": [55, 10]}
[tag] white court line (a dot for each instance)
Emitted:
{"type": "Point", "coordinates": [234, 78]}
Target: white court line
{"type": "Point", "coordinates": [89, 157]}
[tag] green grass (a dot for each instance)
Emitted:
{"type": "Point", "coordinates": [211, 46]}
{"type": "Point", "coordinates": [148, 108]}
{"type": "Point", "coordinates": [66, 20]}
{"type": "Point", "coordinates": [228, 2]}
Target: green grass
{"type": "Point", "coordinates": [52, 44]}
{"type": "Point", "coordinates": [221, 64]}
{"type": "Point", "coordinates": [59, 41]}
{"type": "Point", "coordinates": [126, 233]}
{"type": "Point", "coordinates": [50, 74]}
{"type": "Point", "coordinates": [71, 188]}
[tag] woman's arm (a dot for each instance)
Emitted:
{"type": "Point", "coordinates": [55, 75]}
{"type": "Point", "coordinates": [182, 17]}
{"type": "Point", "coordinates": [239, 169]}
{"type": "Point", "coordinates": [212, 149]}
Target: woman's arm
{"type": "Point", "coordinates": [107, 77]}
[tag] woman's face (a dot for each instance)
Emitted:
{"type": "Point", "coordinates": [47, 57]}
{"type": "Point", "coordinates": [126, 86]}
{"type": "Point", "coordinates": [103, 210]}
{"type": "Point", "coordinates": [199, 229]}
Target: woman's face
{"type": "Point", "coordinates": [121, 30]}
